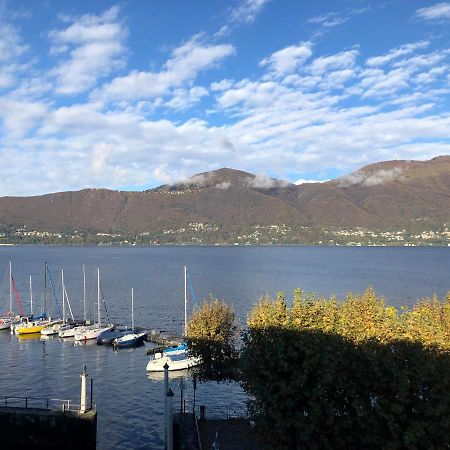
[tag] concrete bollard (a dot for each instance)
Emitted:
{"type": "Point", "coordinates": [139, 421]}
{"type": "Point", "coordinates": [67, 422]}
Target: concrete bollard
{"type": "Point", "coordinates": [169, 419]}
{"type": "Point", "coordinates": [83, 402]}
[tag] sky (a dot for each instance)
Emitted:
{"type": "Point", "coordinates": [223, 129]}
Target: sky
{"type": "Point", "coordinates": [135, 94]}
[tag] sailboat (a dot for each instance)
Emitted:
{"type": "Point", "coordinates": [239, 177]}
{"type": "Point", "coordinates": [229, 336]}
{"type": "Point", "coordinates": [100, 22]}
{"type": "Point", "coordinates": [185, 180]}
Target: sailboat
{"type": "Point", "coordinates": [70, 332]}
{"type": "Point", "coordinates": [29, 325]}
{"type": "Point", "coordinates": [64, 324]}
{"type": "Point", "coordinates": [131, 339]}
{"type": "Point", "coordinates": [88, 332]}
{"type": "Point", "coordinates": [177, 358]}
{"type": "Point", "coordinates": [10, 320]}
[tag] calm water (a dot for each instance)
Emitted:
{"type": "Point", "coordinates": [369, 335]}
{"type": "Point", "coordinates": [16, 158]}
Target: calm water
{"type": "Point", "coordinates": [129, 403]}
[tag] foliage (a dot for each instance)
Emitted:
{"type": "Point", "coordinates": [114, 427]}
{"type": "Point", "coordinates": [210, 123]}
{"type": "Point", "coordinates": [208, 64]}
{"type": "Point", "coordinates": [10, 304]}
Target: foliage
{"type": "Point", "coordinates": [349, 374]}
{"type": "Point", "coordinates": [211, 334]}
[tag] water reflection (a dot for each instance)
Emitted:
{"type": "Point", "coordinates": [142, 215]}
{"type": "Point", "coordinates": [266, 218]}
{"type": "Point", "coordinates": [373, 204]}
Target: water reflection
{"type": "Point", "coordinates": [30, 337]}
{"type": "Point", "coordinates": [173, 376]}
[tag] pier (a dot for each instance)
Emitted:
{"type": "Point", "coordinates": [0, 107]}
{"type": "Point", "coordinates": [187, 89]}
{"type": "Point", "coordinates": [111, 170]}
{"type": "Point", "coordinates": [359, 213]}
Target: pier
{"type": "Point", "coordinates": [161, 342]}
{"type": "Point", "coordinates": [36, 423]}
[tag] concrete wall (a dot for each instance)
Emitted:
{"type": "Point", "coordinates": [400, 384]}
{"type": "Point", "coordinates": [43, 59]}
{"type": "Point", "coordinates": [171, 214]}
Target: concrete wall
{"type": "Point", "coordinates": [33, 429]}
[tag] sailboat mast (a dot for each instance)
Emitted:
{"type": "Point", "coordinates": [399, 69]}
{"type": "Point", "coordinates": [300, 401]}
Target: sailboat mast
{"type": "Point", "coordinates": [10, 288]}
{"type": "Point", "coordinates": [132, 309]}
{"type": "Point", "coordinates": [45, 287]}
{"type": "Point", "coordinates": [185, 301]}
{"type": "Point", "coordinates": [84, 294]}
{"type": "Point", "coordinates": [31, 297]}
{"type": "Point", "coordinates": [63, 302]}
{"type": "Point", "coordinates": [98, 296]}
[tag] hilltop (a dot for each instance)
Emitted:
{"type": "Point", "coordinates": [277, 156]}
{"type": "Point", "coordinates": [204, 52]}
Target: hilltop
{"type": "Point", "coordinates": [387, 202]}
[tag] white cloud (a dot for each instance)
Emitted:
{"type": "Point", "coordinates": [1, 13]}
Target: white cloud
{"type": "Point", "coordinates": [221, 85]}
{"type": "Point", "coordinates": [225, 185]}
{"type": "Point", "coordinates": [437, 12]}
{"type": "Point", "coordinates": [342, 60]}
{"type": "Point", "coordinates": [265, 182]}
{"type": "Point", "coordinates": [10, 42]}
{"type": "Point", "coordinates": [303, 181]}
{"type": "Point", "coordinates": [247, 11]}
{"type": "Point", "coordinates": [369, 179]}
{"type": "Point", "coordinates": [329, 20]}
{"type": "Point", "coordinates": [185, 63]}
{"type": "Point", "coordinates": [94, 48]}
{"type": "Point", "coordinates": [100, 157]}
{"type": "Point", "coordinates": [286, 60]}
{"type": "Point", "coordinates": [19, 116]}
{"type": "Point", "coordinates": [186, 98]}
{"type": "Point", "coordinates": [11, 50]}
{"type": "Point", "coordinates": [395, 53]}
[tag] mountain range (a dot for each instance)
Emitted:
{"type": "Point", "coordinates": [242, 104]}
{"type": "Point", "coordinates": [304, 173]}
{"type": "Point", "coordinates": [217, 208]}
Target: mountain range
{"type": "Point", "coordinates": [231, 206]}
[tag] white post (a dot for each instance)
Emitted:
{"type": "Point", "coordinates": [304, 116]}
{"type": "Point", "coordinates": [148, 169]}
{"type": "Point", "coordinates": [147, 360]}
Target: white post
{"type": "Point", "coordinates": [83, 403]}
{"type": "Point", "coordinates": [169, 420]}
{"type": "Point", "coordinates": [10, 288]}
{"type": "Point", "coordinates": [31, 297]}
{"type": "Point", "coordinates": [84, 294]}
{"type": "Point", "coordinates": [166, 389]}
{"type": "Point", "coordinates": [98, 296]}
{"type": "Point", "coordinates": [185, 301]}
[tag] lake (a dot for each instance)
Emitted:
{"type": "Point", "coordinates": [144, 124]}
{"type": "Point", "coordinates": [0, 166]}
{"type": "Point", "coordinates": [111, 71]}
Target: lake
{"type": "Point", "coordinates": [129, 402]}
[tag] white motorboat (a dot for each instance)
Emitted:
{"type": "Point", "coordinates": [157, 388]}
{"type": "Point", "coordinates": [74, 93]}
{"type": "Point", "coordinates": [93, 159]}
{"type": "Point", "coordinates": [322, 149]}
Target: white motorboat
{"type": "Point", "coordinates": [178, 361]}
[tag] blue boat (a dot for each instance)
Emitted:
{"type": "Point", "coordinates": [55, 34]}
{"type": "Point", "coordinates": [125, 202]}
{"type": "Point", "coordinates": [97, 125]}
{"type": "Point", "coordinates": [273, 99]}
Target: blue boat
{"type": "Point", "coordinates": [107, 337]}
{"type": "Point", "coordinates": [130, 339]}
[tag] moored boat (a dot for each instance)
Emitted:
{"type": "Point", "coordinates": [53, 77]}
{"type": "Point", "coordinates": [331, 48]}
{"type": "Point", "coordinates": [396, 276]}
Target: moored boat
{"type": "Point", "coordinates": [89, 332]}
{"type": "Point", "coordinates": [30, 326]}
{"type": "Point", "coordinates": [177, 358]}
{"type": "Point", "coordinates": [131, 339]}
{"type": "Point", "coordinates": [178, 361]}
{"type": "Point", "coordinates": [107, 337]}
{"type": "Point", "coordinates": [9, 320]}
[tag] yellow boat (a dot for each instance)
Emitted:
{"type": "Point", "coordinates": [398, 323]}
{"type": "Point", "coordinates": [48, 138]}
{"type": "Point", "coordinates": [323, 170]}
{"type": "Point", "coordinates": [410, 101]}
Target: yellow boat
{"type": "Point", "coordinates": [30, 329]}
{"type": "Point", "coordinates": [32, 326]}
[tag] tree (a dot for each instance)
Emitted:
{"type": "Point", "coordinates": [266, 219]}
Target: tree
{"type": "Point", "coordinates": [349, 374]}
{"type": "Point", "coordinates": [212, 335]}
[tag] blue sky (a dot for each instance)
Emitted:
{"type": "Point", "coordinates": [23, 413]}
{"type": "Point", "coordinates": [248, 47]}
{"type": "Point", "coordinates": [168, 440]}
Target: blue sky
{"type": "Point", "coordinates": [135, 94]}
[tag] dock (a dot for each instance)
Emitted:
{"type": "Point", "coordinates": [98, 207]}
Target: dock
{"type": "Point", "coordinates": [161, 342]}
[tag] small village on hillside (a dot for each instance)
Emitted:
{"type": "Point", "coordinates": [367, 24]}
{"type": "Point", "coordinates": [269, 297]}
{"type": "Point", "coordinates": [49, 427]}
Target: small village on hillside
{"type": "Point", "coordinates": [213, 234]}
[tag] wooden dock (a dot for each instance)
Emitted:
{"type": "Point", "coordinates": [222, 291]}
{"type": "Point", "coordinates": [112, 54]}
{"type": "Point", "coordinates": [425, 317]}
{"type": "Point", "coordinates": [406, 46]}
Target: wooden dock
{"type": "Point", "coordinates": [161, 342]}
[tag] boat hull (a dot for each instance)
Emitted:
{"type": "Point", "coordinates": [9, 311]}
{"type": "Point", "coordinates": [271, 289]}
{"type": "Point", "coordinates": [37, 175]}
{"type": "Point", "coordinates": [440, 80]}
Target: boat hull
{"type": "Point", "coordinates": [180, 362]}
{"type": "Point", "coordinates": [90, 333]}
{"type": "Point", "coordinates": [5, 324]}
{"type": "Point", "coordinates": [108, 337]}
{"type": "Point", "coordinates": [30, 330]}
{"type": "Point", "coordinates": [130, 340]}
